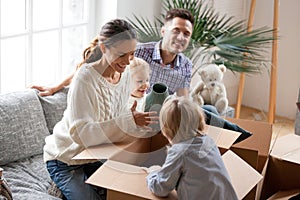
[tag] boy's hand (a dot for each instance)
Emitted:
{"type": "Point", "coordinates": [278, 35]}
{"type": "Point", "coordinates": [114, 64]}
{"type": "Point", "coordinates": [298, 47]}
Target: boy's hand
{"type": "Point", "coordinates": [145, 118]}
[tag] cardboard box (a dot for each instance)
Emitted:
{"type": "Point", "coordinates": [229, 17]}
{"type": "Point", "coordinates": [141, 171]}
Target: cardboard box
{"type": "Point", "coordinates": [125, 181]}
{"type": "Point", "coordinates": [254, 150]}
{"type": "Point", "coordinates": [140, 150]}
{"type": "Point", "coordinates": [282, 173]}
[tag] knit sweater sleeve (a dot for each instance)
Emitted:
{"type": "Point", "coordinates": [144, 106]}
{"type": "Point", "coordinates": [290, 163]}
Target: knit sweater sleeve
{"type": "Point", "coordinates": [90, 120]}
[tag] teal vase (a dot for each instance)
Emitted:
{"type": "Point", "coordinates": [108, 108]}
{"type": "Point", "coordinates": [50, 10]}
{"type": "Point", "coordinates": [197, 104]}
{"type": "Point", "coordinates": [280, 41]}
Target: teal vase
{"type": "Point", "coordinates": [155, 100]}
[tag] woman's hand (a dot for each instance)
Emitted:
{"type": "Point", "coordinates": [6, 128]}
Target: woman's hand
{"type": "Point", "coordinates": [44, 91]}
{"type": "Point", "coordinates": [47, 91]}
{"type": "Point", "coordinates": [143, 119]}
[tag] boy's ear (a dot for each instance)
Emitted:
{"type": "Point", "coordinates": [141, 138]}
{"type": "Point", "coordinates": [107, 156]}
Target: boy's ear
{"type": "Point", "coordinates": [102, 48]}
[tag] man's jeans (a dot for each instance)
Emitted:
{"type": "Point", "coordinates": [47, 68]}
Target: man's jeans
{"type": "Point", "coordinates": [216, 120]}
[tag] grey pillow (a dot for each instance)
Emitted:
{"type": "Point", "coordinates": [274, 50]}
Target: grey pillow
{"type": "Point", "coordinates": [22, 126]}
{"type": "Point", "coordinates": [54, 107]}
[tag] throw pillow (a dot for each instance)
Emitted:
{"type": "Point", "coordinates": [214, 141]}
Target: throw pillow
{"type": "Point", "coordinates": [22, 126]}
{"type": "Point", "coordinates": [54, 107]}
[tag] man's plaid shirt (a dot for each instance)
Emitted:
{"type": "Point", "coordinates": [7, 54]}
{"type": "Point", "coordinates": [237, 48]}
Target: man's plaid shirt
{"type": "Point", "coordinates": [175, 77]}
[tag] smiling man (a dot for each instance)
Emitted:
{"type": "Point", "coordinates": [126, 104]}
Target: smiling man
{"type": "Point", "coordinates": [170, 66]}
{"type": "Point", "coordinates": [167, 62]}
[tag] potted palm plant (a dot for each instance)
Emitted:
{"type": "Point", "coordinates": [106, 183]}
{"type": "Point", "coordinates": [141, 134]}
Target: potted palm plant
{"type": "Point", "coordinates": [215, 39]}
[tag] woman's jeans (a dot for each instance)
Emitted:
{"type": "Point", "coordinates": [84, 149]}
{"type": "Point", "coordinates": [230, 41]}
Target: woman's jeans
{"type": "Point", "coordinates": [70, 179]}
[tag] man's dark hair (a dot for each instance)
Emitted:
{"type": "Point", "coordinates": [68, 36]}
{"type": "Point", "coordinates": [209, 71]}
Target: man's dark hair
{"type": "Point", "coordinates": [181, 13]}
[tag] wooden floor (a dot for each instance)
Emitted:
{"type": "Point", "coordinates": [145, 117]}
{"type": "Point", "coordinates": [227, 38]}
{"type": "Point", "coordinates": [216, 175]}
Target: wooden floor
{"type": "Point", "coordinates": [282, 125]}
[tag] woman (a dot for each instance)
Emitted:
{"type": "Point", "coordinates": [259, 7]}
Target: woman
{"type": "Point", "coordinates": [97, 112]}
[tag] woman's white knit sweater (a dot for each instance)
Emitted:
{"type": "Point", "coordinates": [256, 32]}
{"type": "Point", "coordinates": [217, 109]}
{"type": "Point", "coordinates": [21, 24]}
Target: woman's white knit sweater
{"type": "Point", "coordinates": [97, 112]}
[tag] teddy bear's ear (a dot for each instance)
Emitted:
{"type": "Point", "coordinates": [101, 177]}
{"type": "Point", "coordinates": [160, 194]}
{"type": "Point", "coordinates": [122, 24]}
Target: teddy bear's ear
{"type": "Point", "coordinates": [222, 68]}
{"type": "Point", "coordinates": [202, 73]}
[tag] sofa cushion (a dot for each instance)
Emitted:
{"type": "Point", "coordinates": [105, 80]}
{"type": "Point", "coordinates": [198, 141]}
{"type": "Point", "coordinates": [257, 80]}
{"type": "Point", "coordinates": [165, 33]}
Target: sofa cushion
{"type": "Point", "coordinates": [28, 179]}
{"type": "Point", "coordinates": [54, 107]}
{"type": "Point", "coordinates": [22, 126]}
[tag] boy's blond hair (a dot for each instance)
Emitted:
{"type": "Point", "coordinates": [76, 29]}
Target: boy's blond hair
{"type": "Point", "coordinates": [181, 119]}
{"type": "Point", "coordinates": [137, 64]}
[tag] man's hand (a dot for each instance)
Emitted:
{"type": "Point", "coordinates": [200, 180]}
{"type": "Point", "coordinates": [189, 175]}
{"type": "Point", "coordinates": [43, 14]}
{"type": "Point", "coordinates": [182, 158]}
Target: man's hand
{"type": "Point", "coordinates": [182, 92]}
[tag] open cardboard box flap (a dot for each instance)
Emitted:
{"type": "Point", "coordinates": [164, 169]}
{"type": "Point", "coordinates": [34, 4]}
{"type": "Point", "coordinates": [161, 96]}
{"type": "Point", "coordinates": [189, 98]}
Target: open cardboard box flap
{"type": "Point", "coordinates": [104, 151]}
{"type": "Point", "coordinates": [121, 151]}
{"type": "Point", "coordinates": [242, 175]}
{"type": "Point", "coordinates": [123, 178]}
{"type": "Point", "coordinates": [287, 148]}
{"type": "Point", "coordinates": [129, 179]}
{"type": "Point", "coordinates": [222, 137]}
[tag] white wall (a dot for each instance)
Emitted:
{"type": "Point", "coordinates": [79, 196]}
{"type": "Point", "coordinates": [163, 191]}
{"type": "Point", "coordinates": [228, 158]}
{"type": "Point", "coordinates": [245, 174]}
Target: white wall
{"type": "Point", "coordinates": [256, 92]}
{"type": "Point", "coordinates": [146, 8]}
{"type": "Point", "coordinates": [110, 9]}
{"type": "Point", "coordinates": [105, 10]}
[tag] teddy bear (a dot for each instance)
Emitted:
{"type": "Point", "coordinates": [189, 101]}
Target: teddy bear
{"type": "Point", "coordinates": [210, 89]}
